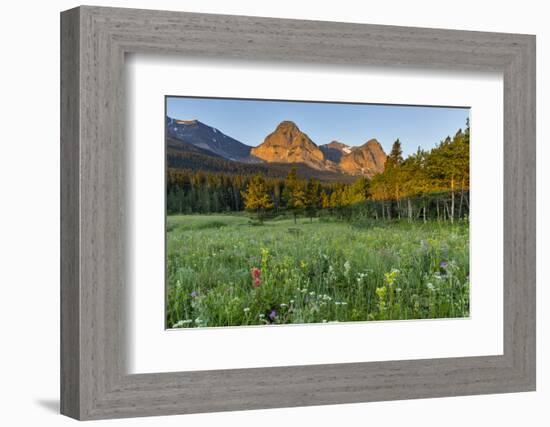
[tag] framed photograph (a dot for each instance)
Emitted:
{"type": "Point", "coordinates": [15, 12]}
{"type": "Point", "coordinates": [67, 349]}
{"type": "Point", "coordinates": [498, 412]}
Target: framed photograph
{"type": "Point", "coordinates": [261, 213]}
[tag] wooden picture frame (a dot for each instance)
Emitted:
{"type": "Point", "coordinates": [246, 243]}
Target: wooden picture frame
{"type": "Point", "coordinates": [94, 382]}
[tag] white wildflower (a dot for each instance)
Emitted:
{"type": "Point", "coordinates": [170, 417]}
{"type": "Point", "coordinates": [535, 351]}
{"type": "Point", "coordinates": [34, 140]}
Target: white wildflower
{"type": "Point", "coordinates": [347, 267]}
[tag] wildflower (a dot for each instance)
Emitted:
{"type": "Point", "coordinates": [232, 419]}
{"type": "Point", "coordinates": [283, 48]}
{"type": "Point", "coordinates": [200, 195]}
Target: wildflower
{"type": "Point", "coordinates": [391, 276]}
{"type": "Point", "coordinates": [178, 324]}
{"type": "Point", "coordinates": [344, 303]}
{"type": "Point", "coordinates": [265, 257]}
{"type": "Point", "coordinates": [246, 309]}
{"type": "Point", "coordinates": [292, 301]}
{"type": "Point", "coordinates": [430, 286]}
{"type": "Point", "coordinates": [283, 305]}
{"type": "Point", "coordinates": [273, 314]}
{"type": "Point", "coordinates": [256, 274]}
{"type": "Point", "coordinates": [347, 267]}
{"type": "Point", "coordinates": [381, 292]}
{"type": "Point", "coordinates": [194, 294]}
{"type": "Point", "coordinates": [261, 315]}
{"type": "Point", "coordinates": [443, 264]}
{"type": "Point", "coordinates": [303, 264]}
{"type": "Point", "coordinates": [361, 276]}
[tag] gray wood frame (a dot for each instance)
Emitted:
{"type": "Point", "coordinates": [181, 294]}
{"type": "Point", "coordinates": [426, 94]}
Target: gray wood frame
{"type": "Point", "coordinates": [94, 41]}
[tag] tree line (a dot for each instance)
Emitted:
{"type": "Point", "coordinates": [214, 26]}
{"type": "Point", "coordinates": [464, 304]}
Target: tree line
{"type": "Point", "coordinates": [429, 184]}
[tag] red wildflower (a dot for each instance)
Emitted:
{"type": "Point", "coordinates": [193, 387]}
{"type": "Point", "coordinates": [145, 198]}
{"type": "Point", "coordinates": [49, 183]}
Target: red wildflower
{"type": "Point", "coordinates": [256, 274]}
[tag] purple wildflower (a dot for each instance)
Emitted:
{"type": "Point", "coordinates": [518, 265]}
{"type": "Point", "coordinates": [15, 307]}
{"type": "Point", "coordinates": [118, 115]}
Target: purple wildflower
{"type": "Point", "coordinates": [194, 294]}
{"type": "Point", "coordinates": [273, 314]}
{"type": "Point", "coordinates": [443, 264]}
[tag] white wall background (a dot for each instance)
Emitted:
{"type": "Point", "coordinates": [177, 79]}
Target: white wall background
{"type": "Point", "coordinates": [29, 214]}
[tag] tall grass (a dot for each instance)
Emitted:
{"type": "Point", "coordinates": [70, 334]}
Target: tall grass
{"type": "Point", "coordinates": [222, 271]}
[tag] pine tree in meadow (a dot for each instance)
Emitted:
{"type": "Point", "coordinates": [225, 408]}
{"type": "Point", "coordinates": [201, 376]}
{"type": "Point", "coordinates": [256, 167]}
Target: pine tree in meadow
{"type": "Point", "coordinates": [256, 197]}
{"type": "Point", "coordinates": [325, 200]}
{"type": "Point", "coordinates": [448, 166]}
{"type": "Point", "coordinates": [392, 171]}
{"type": "Point", "coordinates": [395, 158]}
{"type": "Point", "coordinates": [313, 197]}
{"type": "Point", "coordinates": [294, 194]}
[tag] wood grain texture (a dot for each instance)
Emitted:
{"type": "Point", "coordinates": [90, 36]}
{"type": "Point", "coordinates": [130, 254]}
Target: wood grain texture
{"type": "Point", "coordinates": [94, 231]}
{"type": "Point", "coordinates": [70, 291]}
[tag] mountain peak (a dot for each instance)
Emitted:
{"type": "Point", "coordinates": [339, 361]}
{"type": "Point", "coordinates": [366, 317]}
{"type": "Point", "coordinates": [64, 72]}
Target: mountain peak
{"type": "Point", "coordinates": [208, 138]}
{"type": "Point", "coordinates": [334, 150]}
{"type": "Point", "coordinates": [288, 144]}
{"type": "Point", "coordinates": [372, 143]}
{"type": "Point", "coordinates": [287, 125]}
{"type": "Point", "coordinates": [368, 159]}
{"type": "Point", "coordinates": [187, 122]}
{"type": "Point", "coordinates": [336, 144]}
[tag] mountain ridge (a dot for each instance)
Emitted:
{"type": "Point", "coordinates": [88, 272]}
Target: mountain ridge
{"type": "Point", "coordinates": [209, 138]}
{"type": "Point", "coordinates": [287, 144]}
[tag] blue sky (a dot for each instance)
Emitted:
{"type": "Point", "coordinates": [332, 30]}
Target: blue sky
{"type": "Point", "coordinates": [250, 121]}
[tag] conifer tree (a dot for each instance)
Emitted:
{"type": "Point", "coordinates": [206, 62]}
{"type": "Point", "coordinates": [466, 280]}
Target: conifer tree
{"type": "Point", "coordinates": [256, 197]}
{"type": "Point", "coordinates": [395, 158]}
{"type": "Point", "coordinates": [393, 174]}
{"type": "Point", "coordinates": [325, 200]}
{"type": "Point", "coordinates": [294, 194]}
{"type": "Point", "coordinates": [313, 197]}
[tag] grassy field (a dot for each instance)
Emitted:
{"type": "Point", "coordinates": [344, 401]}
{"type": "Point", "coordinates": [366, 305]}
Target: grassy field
{"type": "Point", "coordinates": [224, 271]}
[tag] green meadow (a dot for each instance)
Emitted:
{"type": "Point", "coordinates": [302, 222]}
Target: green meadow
{"type": "Point", "coordinates": [226, 270]}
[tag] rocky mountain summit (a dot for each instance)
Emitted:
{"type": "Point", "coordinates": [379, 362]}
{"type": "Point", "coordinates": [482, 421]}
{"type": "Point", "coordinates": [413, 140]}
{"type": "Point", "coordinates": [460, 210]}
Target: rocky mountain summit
{"type": "Point", "coordinates": [368, 159]}
{"type": "Point", "coordinates": [287, 144]}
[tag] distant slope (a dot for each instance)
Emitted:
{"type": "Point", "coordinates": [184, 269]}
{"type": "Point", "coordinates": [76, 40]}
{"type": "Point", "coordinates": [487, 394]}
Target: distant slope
{"type": "Point", "coordinates": [174, 146]}
{"type": "Point", "coordinates": [334, 150]}
{"type": "Point", "coordinates": [184, 156]}
{"type": "Point", "coordinates": [207, 138]}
